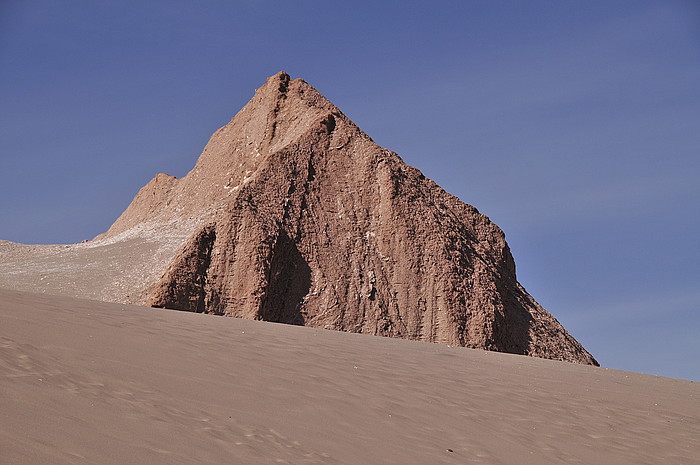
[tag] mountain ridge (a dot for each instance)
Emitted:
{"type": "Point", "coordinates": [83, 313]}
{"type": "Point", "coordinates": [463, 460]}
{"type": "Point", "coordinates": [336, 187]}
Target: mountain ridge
{"type": "Point", "coordinates": [318, 225]}
{"type": "Point", "coordinates": [293, 214]}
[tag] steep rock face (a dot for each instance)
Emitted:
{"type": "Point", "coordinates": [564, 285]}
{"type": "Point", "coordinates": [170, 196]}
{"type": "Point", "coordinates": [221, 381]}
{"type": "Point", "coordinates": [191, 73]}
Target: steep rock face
{"type": "Point", "coordinates": [303, 219]}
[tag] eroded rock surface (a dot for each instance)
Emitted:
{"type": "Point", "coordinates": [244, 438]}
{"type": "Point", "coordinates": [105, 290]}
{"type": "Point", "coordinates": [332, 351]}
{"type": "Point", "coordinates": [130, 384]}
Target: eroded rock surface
{"type": "Point", "coordinates": [294, 215]}
{"type": "Point", "coordinates": [313, 223]}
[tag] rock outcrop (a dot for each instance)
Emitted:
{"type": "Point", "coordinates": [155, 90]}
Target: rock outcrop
{"type": "Point", "coordinates": [300, 218]}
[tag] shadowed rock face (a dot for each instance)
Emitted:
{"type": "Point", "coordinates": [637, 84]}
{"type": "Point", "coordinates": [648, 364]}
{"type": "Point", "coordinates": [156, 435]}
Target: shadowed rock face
{"type": "Point", "coordinates": [301, 218]}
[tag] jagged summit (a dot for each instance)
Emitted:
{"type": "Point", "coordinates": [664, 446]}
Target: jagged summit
{"type": "Point", "coordinates": [280, 112]}
{"type": "Point", "coordinates": [303, 219]}
{"type": "Point", "coordinates": [292, 214]}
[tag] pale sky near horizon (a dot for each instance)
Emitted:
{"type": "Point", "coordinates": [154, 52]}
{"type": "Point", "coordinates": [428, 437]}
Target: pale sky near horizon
{"type": "Point", "coordinates": [575, 126]}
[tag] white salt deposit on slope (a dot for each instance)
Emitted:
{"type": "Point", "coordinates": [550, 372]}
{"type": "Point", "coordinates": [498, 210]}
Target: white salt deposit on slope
{"type": "Point", "coordinates": [114, 269]}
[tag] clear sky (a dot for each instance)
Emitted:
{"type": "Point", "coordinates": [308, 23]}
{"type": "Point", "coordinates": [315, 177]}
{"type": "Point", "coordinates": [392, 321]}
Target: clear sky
{"type": "Point", "coordinates": [574, 125]}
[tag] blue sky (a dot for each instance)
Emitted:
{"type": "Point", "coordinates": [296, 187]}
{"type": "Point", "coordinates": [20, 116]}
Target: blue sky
{"type": "Point", "coordinates": [574, 125]}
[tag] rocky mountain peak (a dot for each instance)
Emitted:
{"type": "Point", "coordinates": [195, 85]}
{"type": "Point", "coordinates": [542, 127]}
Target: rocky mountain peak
{"type": "Point", "coordinates": [294, 215]}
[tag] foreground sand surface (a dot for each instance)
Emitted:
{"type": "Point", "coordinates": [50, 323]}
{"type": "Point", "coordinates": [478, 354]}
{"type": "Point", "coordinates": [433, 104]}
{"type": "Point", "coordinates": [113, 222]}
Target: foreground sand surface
{"type": "Point", "coordinates": [86, 382]}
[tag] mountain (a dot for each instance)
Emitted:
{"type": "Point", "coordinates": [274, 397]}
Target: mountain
{"type": "Point", "coordinates": [292, 214]}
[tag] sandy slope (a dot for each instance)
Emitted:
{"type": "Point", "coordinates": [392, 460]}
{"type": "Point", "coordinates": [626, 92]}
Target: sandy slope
{"type": "Point", "coordinates": [89, 382]}
{"type": "Point", "coordinates": [114, 269]}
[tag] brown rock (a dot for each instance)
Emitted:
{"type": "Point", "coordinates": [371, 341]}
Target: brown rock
{"type": "Point", "coordinates": [301, 218]}
{"type": "Point", "coordinates": [292, 214]}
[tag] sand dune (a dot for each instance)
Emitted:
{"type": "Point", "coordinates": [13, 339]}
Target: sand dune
{"type": "Point", "coordinates": [86, 382]}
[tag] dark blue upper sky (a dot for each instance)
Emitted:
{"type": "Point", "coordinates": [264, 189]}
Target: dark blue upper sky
{"type": "Point", "coordinates": [575, 125]}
